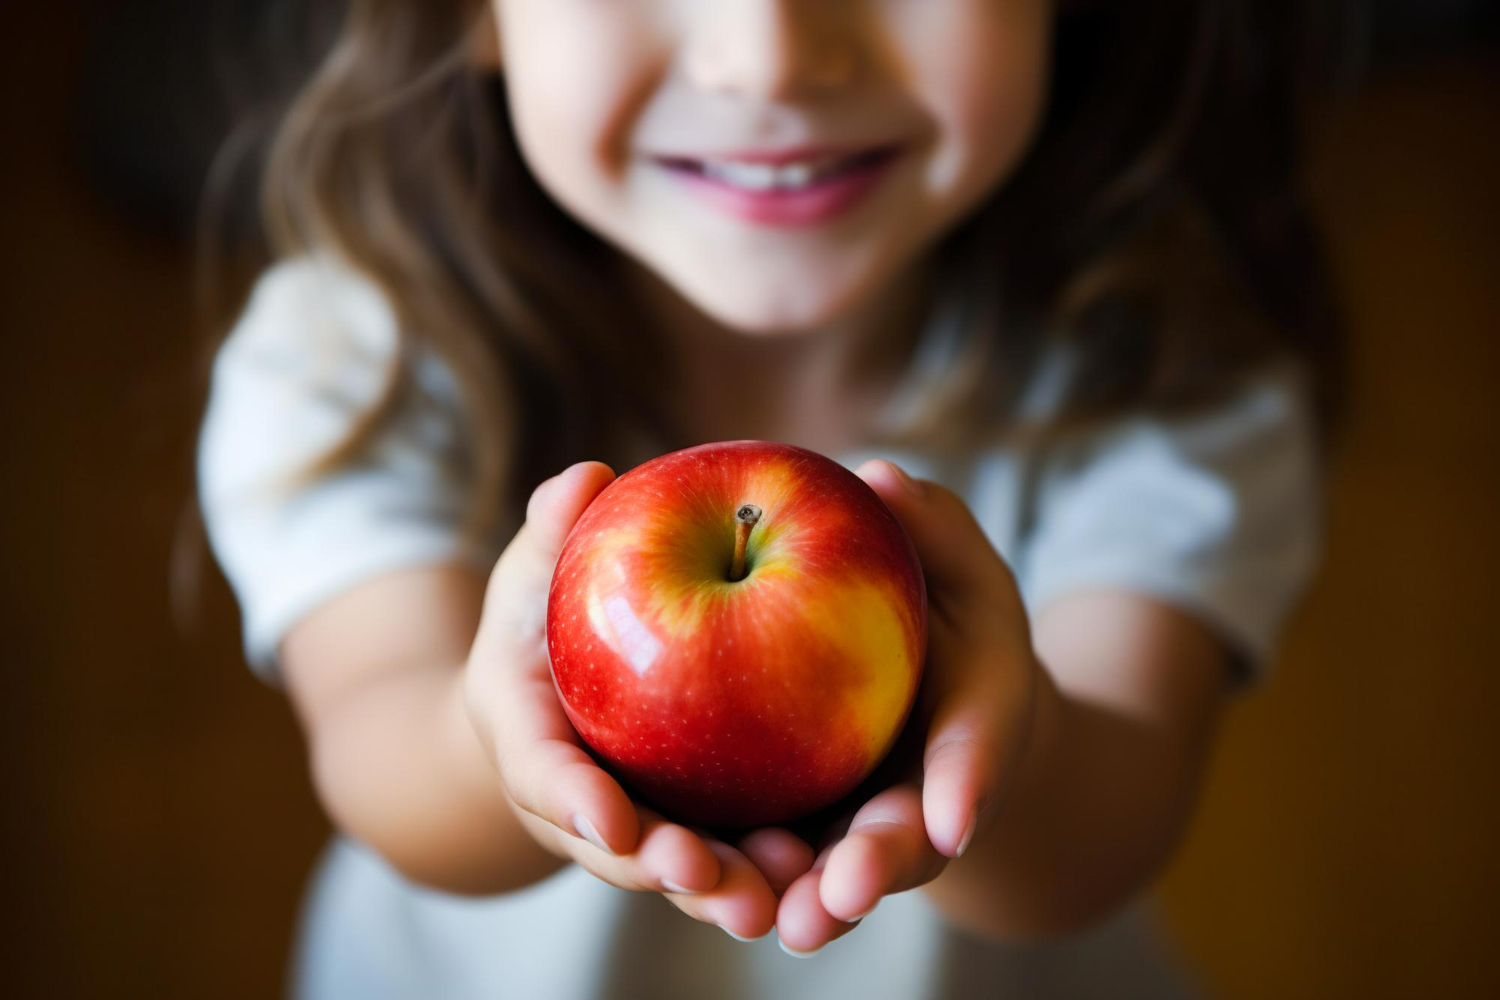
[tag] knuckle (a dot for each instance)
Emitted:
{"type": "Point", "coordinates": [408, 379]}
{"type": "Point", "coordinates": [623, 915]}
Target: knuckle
{"type": "Point", "coordinates": [510, 776]}
{"type": "Point", "coordinates": [957, 748]}
{"type": "Point", "coordinates": [520, 768]}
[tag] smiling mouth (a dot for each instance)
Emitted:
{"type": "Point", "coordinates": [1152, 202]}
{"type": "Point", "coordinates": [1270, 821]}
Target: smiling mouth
{"type": "Point", "coordinates": [795, 176]}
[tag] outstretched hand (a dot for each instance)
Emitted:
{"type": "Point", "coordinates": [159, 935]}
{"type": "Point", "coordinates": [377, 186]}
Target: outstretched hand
{"type": "Point", "coordinates": [569, 805]}
{"type": "Point", "coordinates": [977, 698]}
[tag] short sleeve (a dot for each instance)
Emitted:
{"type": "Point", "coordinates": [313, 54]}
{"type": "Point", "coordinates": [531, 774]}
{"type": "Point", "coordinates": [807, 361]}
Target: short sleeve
{"type": "Point", "coordinates": [307, 356]}
{"type": "Point", "coordinates": [1218, 513]}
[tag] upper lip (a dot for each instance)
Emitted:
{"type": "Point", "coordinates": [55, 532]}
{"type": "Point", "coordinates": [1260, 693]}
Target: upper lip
{"type": "Point", "coordinates": [781, 156]}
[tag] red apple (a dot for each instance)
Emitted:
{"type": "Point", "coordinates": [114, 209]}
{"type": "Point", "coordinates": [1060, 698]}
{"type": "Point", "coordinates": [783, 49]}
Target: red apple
{"type": "Point", "coordinates": [747, 701]}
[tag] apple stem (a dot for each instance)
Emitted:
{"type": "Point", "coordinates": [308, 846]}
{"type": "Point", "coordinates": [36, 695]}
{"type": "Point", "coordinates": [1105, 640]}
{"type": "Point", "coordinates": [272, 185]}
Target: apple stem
{"type": "Point", "coordinates": [744, 521]}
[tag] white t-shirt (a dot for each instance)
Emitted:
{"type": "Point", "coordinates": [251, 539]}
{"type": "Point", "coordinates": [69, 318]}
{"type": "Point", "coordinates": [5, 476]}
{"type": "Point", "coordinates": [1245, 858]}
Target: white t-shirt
{"type": "Point", "coordinates": [1217, 513]}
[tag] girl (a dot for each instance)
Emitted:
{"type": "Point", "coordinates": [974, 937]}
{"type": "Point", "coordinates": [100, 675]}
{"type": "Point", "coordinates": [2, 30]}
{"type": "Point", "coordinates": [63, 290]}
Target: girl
{"type": "Point", "coordinates": [1035, 273]}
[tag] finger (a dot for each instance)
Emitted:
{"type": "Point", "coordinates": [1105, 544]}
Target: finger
{"type": "Point", "coordinates": [515, 596]}
{"type": "Point", "coordinates": [781, 856]}
{"type": "Point", "coordinates": [974, 739]}
{"type": "Point", "coordinates": [554, 780]}
{"type": "Point", "coordinates": [886, 851]}
{"type": "Point", "coordinates": [669, 858]}
{"type": "Point", "coordinates": [742, 902]}
{"type": "Point", "coordinates": [802, 923]}
{"type": "Point", "coordinates": [542, 766]}
{"type": "Point", "coordinates": [557, 504]}
{"type": "Point", "coordinates": [675, 860]}
{"type": "Point", "coordinates": [954, 551]}
{"type": "Point", "coordinates": [508, 686]}
{"type": "Point", "coordinates": [982, 699]}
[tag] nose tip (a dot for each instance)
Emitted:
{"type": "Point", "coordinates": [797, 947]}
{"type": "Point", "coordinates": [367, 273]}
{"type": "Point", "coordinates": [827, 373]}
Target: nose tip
{"type": "Point", "coordinates": [771, 52]}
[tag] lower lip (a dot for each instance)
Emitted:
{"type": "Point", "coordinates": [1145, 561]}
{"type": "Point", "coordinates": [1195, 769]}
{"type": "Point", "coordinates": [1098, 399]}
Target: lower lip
{"type": "Point", "coordinates": [817, 203]}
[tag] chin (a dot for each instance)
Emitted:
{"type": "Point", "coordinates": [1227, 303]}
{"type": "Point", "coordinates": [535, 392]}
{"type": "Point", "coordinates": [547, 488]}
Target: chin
{"type": "Point", "coordinates": [773, 308]}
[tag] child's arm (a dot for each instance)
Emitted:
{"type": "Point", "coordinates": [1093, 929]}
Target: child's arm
{"type": "Point", "coordinates": [376, 676]}
{"type": "Point", "coordinates": [416, 688]}
{"type": "Point", "coordinates": [1081, 771]}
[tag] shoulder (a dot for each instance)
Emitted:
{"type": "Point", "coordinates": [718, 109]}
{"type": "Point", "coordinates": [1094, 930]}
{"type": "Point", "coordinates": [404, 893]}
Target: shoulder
{"type": "Point", "coordinates": [1218, 509]}
{"type": "Point", "coordinates": [314, 352]}
{"type": "Point", "coordinates": [312, 307]}
{"type": "Point", "coordinates": [1264, 422]}
{"type": "Point", "coordinates": [316, 346]}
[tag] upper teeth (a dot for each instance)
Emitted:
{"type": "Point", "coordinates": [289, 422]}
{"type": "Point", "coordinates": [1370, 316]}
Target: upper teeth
{"type": "Point", "coordinates": [767, 177]}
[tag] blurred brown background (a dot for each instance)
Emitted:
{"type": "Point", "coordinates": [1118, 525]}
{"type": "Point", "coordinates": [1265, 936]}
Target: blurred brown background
{"type": "Point", "coordinates": [158, 820]}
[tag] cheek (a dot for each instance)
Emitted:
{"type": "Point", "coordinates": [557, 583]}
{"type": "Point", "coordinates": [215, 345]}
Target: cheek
{"type": "Point", "coordinates": [985, 86]}
{"type": "Point", "coordinates": [574, 78]}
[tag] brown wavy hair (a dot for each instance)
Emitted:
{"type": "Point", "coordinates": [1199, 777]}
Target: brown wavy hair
{"type": "Point", "coordinates": [1155, 222]}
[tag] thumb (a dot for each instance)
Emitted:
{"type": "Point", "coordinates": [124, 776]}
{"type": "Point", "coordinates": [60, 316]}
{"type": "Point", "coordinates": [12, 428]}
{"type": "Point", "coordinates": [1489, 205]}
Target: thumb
{"type": "Point", "coordinates": [956, 556]}
{"type": "Point", "coordinates": [557, 504]}
{"type": "Point", "coordinates": [516, 596]}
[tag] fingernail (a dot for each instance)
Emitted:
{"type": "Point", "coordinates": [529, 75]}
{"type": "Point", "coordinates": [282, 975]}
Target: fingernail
{"type": "Point", "coordinates": [855, 920]}
{"type": "Point", "coordinates": [963, 842]}
{"type": "Point", "coordinates": [671, 886]}
{"type": "Point", "coordinates": [911, 485]}
{"type": "Point", "coordinates": [587, 832]}
{"type": "Point", "coordinates": [732, 934]}
{"type": "Point", "coordinates": [797, 954]}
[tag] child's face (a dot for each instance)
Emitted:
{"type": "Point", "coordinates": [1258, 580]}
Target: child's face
{"type": "Point", "coordinates": [617, 105]}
